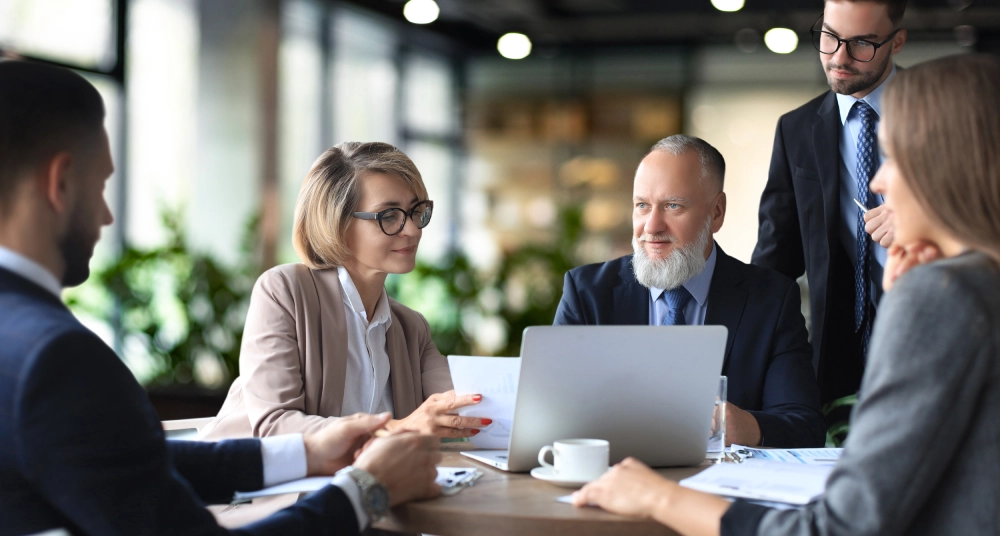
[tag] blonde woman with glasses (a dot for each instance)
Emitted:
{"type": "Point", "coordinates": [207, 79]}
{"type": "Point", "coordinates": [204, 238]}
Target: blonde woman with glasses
{"type": "Point", "coordinates": [921, 455]}
{"type": "Point", "coordinates": [322, 339]}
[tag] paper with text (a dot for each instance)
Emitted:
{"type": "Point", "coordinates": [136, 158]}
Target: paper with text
{"type": "Point", "coordinates": [822, 456]}
{"type": "Point", "coordinates": [496, 379]}
{"type": "Point", "coordinates": [763, 480]}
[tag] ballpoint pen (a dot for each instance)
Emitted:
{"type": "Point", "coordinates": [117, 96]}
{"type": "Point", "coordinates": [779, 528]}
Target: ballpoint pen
{"type": "Point", "coordinates": [862, 207]}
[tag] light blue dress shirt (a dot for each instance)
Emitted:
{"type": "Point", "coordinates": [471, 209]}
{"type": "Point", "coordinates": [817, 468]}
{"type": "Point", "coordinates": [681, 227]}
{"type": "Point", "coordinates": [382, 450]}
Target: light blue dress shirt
{"type": "Point", "coordinates": [698, 286]}
{"type": "Point", "coordinates": [851, 120]}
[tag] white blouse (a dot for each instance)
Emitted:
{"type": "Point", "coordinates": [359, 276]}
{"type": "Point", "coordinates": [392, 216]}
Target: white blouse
{"type": "Point", "coordinates": [367, 388]}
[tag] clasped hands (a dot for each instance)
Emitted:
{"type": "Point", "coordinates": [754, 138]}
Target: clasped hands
{"type": "Point", "coordinates": [403, 461]}
{"type": "Point", "coordinates": [404, 456]}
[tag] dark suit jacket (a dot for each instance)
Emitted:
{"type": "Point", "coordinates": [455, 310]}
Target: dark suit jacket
{"type": "Point", "coordinates": [799, 219]}
{"type": "Point", "coordinates": [81, 447]}
{"type": "Point", "coordinates": [767, 352]}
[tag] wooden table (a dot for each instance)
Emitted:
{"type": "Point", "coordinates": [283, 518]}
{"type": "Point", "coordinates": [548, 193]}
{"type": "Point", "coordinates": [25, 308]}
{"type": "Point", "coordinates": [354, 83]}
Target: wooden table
{"type": "Point", "coordinates": [515, 504]}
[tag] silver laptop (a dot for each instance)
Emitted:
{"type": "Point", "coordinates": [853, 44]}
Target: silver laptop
{"type": "Point", "coordinates": [648, 390]}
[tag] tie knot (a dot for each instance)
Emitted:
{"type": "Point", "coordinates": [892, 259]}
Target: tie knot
{"type": "Point", "coordinates": [677, 298]}
{"type": "Point", "coordinates": [866, 112]}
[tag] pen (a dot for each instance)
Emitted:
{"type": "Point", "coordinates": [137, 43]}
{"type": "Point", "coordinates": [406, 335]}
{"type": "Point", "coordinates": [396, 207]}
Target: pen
{"type": "Point", "coordinates": [862, 207]}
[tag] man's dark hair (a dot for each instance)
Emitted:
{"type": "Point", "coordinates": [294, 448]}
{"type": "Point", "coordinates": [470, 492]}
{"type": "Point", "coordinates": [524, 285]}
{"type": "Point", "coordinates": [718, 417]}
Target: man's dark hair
{"type": "Point", "coordinates": [897, 8]}
{"type": "Point", "coordinates": [43, 110]}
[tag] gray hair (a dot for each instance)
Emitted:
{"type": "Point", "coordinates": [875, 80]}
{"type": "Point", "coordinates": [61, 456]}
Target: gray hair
{"type": "Point", "coordinates": [712, 164]}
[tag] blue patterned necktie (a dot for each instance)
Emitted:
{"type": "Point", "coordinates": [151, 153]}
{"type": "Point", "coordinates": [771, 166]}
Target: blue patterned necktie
{"type": "Point", "coordinates": [676, 299]}
{"type": "Point", "coordinates": [866, 169]}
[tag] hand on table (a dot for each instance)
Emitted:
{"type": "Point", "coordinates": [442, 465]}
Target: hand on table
{"type": "Point", "coordinates": [879, 224]}
{"type": "Point", "coordinates": [334, 447]}
{"type": "Point", "coordinates": [629, 489]}
{"type": "Point", "coordinates": [436, 416]}
{"type": "Point", "coordinates": [741, 427]}
{"type": "Point", "coordinates": [405, 464]}
{"type": "Point", "coordinates": [902, 258]}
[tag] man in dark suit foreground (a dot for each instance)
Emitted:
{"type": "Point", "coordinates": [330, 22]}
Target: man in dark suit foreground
{"type": "Point", "coordinates": [678, 275]}
{"type": "Point", "coordinates": [80, 446]}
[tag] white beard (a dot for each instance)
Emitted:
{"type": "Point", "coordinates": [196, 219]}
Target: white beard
{"type": "Point", "coordinates": [682, 264]}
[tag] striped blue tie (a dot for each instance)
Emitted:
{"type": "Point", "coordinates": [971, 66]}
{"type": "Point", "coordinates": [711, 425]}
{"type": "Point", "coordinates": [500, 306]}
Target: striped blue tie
{"type": "Point", "coordinates": [677, 299]}
{"type": "Point", "coordinates": [867, 165]}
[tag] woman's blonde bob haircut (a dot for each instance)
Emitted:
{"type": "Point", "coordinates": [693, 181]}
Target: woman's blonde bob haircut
{"type": "Point", "coordinates": [331, 192]}
{"type": "Point", "coordinates": [942, 124]}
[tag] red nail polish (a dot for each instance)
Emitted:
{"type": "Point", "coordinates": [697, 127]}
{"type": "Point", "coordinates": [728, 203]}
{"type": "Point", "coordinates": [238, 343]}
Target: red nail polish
{"type": "Point", "coordinates": [477, 398]}
{"type": "Point", "coordinates": [486, 421]}
{"type": "Point", "coordinates": [475, 431]}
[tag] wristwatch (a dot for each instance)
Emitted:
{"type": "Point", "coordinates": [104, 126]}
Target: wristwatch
{"type": "Point", "coordinates": [374, 496]}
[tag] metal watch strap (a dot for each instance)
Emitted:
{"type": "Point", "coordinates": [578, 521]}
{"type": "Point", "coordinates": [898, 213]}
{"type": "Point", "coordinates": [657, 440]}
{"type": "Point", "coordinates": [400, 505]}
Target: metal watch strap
{"type": "Point", "coordinates": [365, 482]}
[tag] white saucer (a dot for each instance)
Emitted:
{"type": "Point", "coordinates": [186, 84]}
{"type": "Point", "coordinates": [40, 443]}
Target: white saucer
{"type": "Point", "coordinates": [546, 474]}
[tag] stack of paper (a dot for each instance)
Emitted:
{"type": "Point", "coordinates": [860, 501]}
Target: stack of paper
{"type": "Point", "coordinates": [793, 483]}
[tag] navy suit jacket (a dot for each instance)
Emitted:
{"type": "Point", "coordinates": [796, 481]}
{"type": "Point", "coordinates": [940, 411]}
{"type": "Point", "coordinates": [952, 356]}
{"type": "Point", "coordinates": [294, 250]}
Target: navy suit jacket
{"type": "Point", "coordinates": [767, 356]}
{"type": "Point", "coordinates": [800, 217]}
{"type": "Point", "coordinates": [81, 447]}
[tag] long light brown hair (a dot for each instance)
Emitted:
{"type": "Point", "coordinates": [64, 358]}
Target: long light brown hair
{"type": "Point", "coordinates": [331, 192]}
{"type": "Point", "coordinates": [942, 124]}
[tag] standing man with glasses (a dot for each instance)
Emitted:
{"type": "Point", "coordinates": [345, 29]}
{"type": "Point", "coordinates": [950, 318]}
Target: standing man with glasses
{"type": "Point", "coordinates": [817, 214]}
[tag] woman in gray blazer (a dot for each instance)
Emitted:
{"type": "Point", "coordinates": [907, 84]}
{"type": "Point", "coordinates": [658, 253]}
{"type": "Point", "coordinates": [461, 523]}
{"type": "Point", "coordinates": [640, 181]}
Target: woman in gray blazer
{"type": "Point", "coordinates": [921, 455]}
{"type": "Point", "coordinates": [322, 339]}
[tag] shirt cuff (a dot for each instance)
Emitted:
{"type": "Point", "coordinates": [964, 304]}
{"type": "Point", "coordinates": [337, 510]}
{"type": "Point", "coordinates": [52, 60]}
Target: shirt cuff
{"type": "Point", "coordinates": [284, 458]}
{"type": "Point", "coordinates": [353, 492]}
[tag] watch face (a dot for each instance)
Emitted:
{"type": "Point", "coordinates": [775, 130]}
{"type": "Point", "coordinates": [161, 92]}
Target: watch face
{"type": "Point", "coordinates": [378, 499]}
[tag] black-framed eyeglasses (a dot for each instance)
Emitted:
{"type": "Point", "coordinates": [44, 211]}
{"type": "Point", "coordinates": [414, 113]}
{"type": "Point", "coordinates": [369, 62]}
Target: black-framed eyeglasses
{"type": "Point", "coordinates": [859, 49]}
{"type": "Point", "coordinates": [392, 220]}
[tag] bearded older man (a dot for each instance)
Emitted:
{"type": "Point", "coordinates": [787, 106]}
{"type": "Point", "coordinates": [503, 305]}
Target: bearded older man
{"type": "Point", "coordinates": [678, 275]}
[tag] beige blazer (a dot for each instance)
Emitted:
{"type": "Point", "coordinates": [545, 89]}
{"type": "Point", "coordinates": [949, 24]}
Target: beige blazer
{"type": "Point", "coordinates": [293, 362]}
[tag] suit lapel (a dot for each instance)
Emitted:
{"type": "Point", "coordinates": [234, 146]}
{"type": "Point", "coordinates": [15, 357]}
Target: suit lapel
{"type": "Point", "coordinates": [325, 374]}
{"type": "Point", "coordinates": [726, 298]}
{"type": "Point", "coordinates": [826, 143]}
{"type": "Point", "coordinates": [631, 307]}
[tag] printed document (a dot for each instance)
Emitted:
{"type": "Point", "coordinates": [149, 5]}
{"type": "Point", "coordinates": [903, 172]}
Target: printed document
{"type": "Point", "coordinates": [825, 456]}
{"type": "Point", "coordinates": [496, 379]}
{"type": "Point", "coordinates": [763, 480]}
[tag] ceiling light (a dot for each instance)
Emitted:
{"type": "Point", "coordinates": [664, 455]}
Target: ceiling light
{"type": "Point", "coordinates": [781, 40]}
{"type": "Point", "coordinates": [728, 5]}
{"type": "Point", "coordinates": [514, 46]}
{"type": "Point", "coordinates": [421, 11]}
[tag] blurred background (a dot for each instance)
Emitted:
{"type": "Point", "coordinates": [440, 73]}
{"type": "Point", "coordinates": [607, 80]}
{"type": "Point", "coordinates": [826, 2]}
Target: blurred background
{"type": "Point", "coordinates": [527, 119]}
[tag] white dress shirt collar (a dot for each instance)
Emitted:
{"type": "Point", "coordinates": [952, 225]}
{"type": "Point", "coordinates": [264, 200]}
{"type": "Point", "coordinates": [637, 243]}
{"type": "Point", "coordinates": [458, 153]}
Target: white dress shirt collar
{"type": "Point", "coordinates": [352, 298]}
{"type": "Point", "coordinates": [30, 270]}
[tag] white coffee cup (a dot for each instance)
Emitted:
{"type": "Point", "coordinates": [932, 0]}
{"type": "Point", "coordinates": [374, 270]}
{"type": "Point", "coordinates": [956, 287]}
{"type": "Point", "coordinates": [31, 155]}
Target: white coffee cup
{"type": "Point", "coordinates": [577, 459]}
